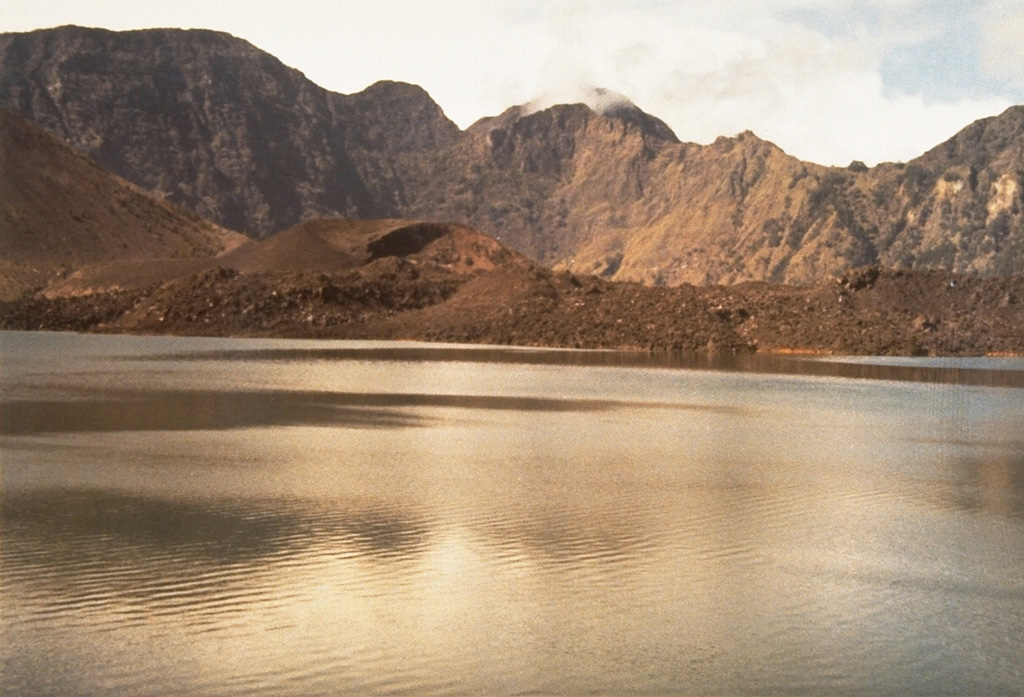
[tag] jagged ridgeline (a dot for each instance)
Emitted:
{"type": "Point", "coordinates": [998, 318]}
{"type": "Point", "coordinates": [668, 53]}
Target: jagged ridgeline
{"type": "Point", "coordinates": [212, 123]}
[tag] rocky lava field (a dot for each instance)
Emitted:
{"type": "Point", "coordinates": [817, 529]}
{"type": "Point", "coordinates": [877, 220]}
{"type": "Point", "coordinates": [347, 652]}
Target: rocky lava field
{"type": "Point", "coordinates": [868, 311]}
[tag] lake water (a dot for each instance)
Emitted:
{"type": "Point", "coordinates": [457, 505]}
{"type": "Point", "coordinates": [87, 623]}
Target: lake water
{"type": "Point", "coordinates": [238, 517]}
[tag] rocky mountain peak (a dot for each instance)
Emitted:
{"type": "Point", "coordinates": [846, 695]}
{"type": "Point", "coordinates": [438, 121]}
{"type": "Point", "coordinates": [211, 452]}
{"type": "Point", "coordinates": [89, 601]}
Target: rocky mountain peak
{"type": "Point", "coordinates": [632, 114]}
{"type": "Point", "coordinates": [502, 120]}
{"type": "Point", "coordinates": [394, 117]}
{"type": "Point", "coordinates": [981, 142]}
{"type": "Point", "coordinates": [747, 140]}
{"type": "Point", "coordinates": [396, 92]}
{"type": "Point", "coordinates": [597, 101]}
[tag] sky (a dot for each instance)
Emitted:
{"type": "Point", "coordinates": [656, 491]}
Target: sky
{"type": "Point", "coordinates": [829, 81]}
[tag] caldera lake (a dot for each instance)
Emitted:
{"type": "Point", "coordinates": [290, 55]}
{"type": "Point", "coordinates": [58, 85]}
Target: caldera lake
{"type": "Point", "coordinates": [241, 517]}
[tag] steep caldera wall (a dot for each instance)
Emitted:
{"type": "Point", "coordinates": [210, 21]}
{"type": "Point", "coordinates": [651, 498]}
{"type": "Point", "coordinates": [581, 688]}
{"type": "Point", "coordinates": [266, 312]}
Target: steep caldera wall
{"type": "Point", "coordinates": [212, 123]}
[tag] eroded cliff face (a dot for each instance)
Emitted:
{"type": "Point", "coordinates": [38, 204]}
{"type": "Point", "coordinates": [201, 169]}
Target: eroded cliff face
{"type": "Point", "coordinates": [212, 123]}
{"type": "Point", "coordinates": [960, 205]}
{"type": "Point", "coordinates": [592, 193]}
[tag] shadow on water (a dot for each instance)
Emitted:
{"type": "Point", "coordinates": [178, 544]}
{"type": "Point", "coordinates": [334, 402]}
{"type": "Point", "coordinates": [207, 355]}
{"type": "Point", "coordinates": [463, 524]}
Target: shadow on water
{"type": "Point", "coordinates": [962, 373]}
{"type": "Point", "coordinates": [981, 480]}
{"type": "Point", "coordinates": [137, 522]}
{"type": "Point", "coordinates": [173, 410]}
{"type": "Point", "coordinates": [73, 531]}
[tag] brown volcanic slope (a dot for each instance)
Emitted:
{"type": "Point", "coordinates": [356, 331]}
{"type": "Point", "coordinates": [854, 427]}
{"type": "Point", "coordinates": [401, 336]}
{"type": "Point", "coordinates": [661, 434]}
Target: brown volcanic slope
{"type": "Point", "coordinates": [215, 124]}
{"type": "Point", "coordinates": [342, 244]}
{"type": "Point", "coordinates": [59, 211]}
{"type": "Point", "coordinates": [438, 250]}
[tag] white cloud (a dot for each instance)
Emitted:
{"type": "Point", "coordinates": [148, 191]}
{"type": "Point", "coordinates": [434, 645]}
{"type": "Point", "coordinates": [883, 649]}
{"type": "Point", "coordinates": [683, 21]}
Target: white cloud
{"type": "Point", "coordinates": [707, 73]}
{"type": "Point", "coordinates": [818, 95]}
{"type": "Point", "coordinates": [1002, 50]}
